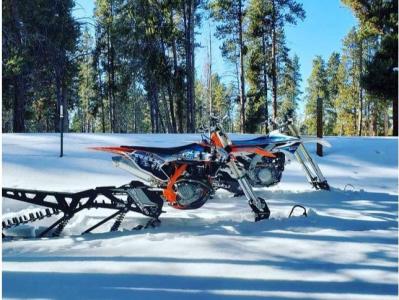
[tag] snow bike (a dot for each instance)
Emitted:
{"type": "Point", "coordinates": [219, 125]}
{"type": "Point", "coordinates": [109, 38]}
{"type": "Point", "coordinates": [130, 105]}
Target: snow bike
{"type": "Point", "coordinates": [284, 141]}
{"type": "Point", "coordinates": [185, 177]}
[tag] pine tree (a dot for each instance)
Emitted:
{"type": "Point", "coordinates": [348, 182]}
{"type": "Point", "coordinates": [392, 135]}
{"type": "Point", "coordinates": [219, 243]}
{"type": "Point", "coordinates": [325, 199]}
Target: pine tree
{"type": "Point", "coordinates": [289, 88]}
{"type": "Point", "coordinates": [380, 19]}
{"type": "Point", "coordinates": [259, 61]}
{"type": "Point", "coordinates": [347, 101]}
{"type": "Point", "coordinates": [229, 15]}
{"type": "Point", "coordinates": [332, 71]}
{"type": "Point", "coordinates": [317, 88]}
{"type": "Point", "coordinates": [88, 105]}
{"type": "Point", "coordinates": [268, 51]}
{"type": "Point", "coordinates": [39, 42]}
{"type": "Point", "coordinates": [282, 12]}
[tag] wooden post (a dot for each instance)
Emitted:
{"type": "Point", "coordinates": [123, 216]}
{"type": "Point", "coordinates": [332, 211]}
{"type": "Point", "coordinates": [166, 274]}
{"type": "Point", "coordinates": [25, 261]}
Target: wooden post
{"type": "Point", "coordinates": [319, 121]}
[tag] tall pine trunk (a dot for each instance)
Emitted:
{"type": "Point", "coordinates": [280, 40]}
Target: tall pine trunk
{"type": "Point", "coordinates": [192, 64]}
{"type": "Point", "coordinates": [360, 120]}
{"type": "Point", "coordinates": [274, 60]}
{"type": "Point", "coordinates": [395, 116]}
{"type": "Point", "coordinates": [154, 105]}
{"type": "Point", "coordinates": [100, 86]}
{"type": "Point", "coordinates": [242, 74]}
{"type": "Point", "coordinates": [64, 99]}
{"type": "Point", "coordinates": [176, 117]}
{"type": "Point", "coordinates": [170, 82]}
{"type": "Point", "coordinates": [167, 113]}
{"type": "Point", "coordinates": [189, 47]}
{"type": "Point", "coordinates": [19, 104]}
{"type": "Point", "coordinates": [168, 105]}
{"type": "Point", "coordinates": [109, 83]}
{"type": "Point", "coordinates": [265, 78]}
{"type": "Point", "coordinates": [19, 80]}
{"type": "Point", "coordinates": [114, 111]}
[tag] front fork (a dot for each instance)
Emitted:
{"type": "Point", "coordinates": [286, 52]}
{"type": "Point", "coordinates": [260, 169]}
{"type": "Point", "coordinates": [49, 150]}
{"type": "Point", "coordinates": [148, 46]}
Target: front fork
{"type": "Point", "coordinates": [312, 170]}
{"type": "Point", "coordinates": [257, 204]}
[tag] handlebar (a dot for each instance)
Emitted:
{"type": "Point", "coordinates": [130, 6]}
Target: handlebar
{"type": "Point", "coordinates": [279, 123]}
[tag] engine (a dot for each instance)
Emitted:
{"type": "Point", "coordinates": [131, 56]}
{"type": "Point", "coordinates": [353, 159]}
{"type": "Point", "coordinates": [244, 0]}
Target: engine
{"type": "Point", "coordinates": [192, 193]}
{"type": "Point", "coordinates": [265, 171]}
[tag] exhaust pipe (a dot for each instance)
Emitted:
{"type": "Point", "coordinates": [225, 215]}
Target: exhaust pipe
{"type": "Point", "coordinates": [130, 166]}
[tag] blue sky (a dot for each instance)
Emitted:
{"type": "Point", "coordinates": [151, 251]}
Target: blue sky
{"type": "Point", "coordinates": [321, 33]}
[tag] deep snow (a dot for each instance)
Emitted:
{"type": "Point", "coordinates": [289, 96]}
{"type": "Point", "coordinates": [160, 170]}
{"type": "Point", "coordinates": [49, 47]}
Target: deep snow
{"type": "Point", "coordinates": [346, 248]}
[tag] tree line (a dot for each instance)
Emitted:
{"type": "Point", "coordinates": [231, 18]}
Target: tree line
{"type": "Point", "coordinates": [132, 68]}
{"type": "Point", "coordinates": [359, 86]}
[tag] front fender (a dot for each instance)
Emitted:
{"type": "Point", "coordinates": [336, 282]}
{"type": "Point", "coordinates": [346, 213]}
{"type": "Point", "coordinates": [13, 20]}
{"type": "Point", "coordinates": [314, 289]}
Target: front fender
{"type": "Point", "coordinates": [321, 141]}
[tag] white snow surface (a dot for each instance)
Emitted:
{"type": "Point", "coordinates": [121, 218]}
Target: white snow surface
{"type": "Point", "coordinates": [347, 248]}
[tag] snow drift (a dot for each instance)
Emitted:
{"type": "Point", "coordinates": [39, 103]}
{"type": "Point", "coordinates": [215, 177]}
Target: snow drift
{"type": "Point", "coordinates": [346, 248]}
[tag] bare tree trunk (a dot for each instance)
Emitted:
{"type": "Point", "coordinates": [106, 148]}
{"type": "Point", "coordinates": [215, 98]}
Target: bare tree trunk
{"type": "Point", "coordinates": [242, 74]}
{"type": "Point", "coordinates": [274, 60]}
{"type": "Point", "coordinates": [265, 78]}
{"type": "Point", "coordinates": [386, 122]}
{"type": "Point", "coordinates": [187, 57]}
{"type": "Point", "coordinates": [395, 116]}
{"type": "Point", "coordinates": [360, 120]}
{"type": "Point", "coordinates": [109, 83]}
{"type": "Point", "coordinates": [64, 99]}
{"type": "Point", "coordinates": [19, 104]}
{"type": "Point", "coordinates": [192, 64]}
{"type": "Point", "coordinates": [178, 91]}
{"type": "Point", "coordinates": [135, 117]}
{"type": "Point", "coordinates": [167, 113]}
{"type": "Point", "coordinates": [189, 35]}
{"type": "Point", "coordinates": [170, 88]}
{"type": "Point", "coordinates": [171, 109]}
{"type": "Point", "coordinates": [112, 71]}
{"type": "Point", "coordinates": [102, 98]}
{"type": "Point", "coordinates": [170, 116]}
{"type": "Point", "coordinates": [162, 127]}
{"type": "Point", "coordinates": [58, 94]}
{"type": "Point", "coordinates": [114, 111]}
{"type": "Point", "coordinates": [179, 104]}
{"type": "Point", "coordinates": [19, 81]}
{"type": "Point", "coordinates": [154, 106]}
{"type": "Point", "coordinates": [374, 123]}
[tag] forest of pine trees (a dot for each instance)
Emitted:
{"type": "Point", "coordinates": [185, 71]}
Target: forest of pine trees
{"type": "Point", "coordinates": [359, 86]}
{"type": "Point", "coordinates": [132, 68]}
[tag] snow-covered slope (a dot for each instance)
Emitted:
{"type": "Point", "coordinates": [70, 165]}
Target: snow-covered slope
{"type": "Point", "coordinates": [346, 248]}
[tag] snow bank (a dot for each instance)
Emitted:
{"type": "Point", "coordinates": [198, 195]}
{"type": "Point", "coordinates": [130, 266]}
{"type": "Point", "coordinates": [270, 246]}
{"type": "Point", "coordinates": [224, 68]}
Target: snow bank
{"type": "Point", "coordinates": [346, 248]}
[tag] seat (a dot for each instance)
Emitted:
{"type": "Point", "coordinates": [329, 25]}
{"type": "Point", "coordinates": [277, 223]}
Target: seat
{"type": "Point", "coordinates": [265, 140]}
{"type": "Point", "coordinates": [167, 150]}
{"type": "Point", "coordinates": [259, 141]}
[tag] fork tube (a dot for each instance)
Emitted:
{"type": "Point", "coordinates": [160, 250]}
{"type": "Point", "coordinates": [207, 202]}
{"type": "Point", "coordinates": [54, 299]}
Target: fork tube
{"type": "Point", "coordinates": [312, 163]}
{"type": "Point", "coordinates": [243, 181]}
{"type": "Point", "coordinates": [304, 167]}
{"type": "Point", "coordinates": [306, 155]}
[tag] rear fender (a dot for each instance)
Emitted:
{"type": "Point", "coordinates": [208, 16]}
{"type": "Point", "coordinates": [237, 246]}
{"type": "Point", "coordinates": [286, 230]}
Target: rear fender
{"type": "Point", "coordinates": [122, 150]}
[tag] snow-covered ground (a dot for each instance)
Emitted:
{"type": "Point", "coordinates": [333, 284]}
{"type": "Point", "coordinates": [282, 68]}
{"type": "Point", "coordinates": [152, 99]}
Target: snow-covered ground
{"type": "Point", "coordinates": [346, 248]}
